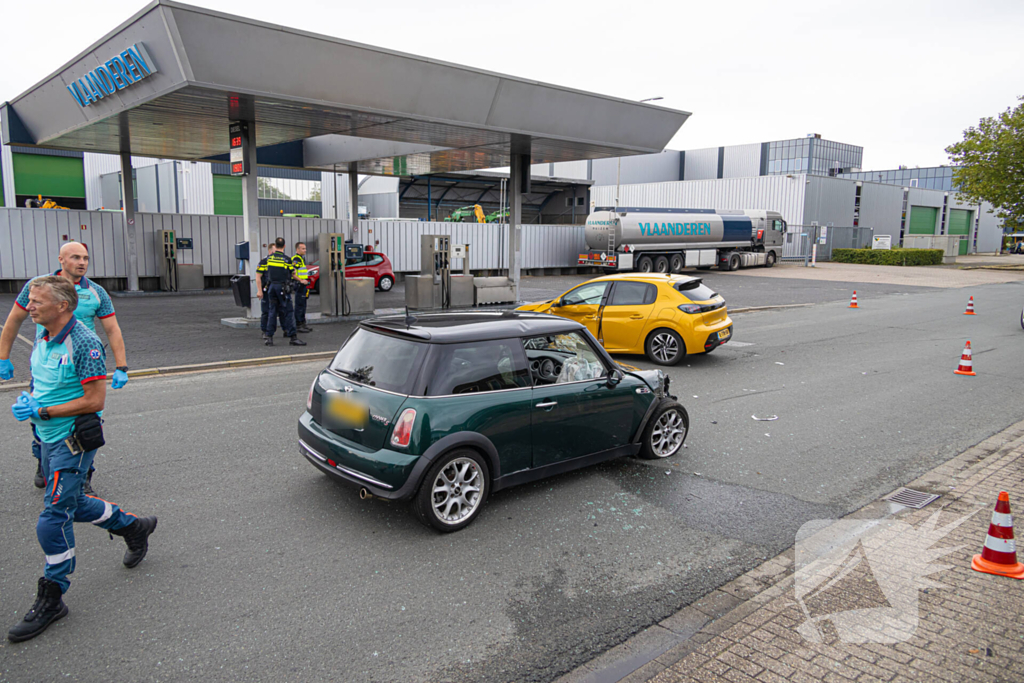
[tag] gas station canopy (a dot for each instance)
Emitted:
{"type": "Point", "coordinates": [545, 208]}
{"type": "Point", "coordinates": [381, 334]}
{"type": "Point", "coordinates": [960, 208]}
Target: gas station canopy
{"type": "Point", "coordinates": [167, 82]}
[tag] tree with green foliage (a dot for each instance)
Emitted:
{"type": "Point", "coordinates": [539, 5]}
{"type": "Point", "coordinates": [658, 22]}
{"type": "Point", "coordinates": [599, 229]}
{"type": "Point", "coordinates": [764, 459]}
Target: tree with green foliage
{"type": "Point", "coordinates": [989, 164]}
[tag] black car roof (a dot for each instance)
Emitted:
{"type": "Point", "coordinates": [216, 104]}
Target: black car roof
{"type": "Point", "coordinates": [447, 328]}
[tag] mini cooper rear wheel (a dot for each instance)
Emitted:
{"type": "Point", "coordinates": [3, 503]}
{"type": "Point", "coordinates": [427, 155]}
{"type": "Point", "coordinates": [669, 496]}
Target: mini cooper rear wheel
{"type": "Point", "coordinates": [665, 347]}
{"type": "Point", "coordinates": [453, 491]}
{"type": "Point", "coordinates": [665, 433]}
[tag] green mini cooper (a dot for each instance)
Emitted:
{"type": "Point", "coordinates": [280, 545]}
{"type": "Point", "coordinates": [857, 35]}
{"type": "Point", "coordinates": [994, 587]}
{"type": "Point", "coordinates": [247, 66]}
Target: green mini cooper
{"type": "Point", "coordinates": [440, 410]}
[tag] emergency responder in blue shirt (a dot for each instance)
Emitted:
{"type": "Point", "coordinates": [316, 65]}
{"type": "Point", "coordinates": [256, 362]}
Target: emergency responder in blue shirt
{"type": "Point", "coordinates": [302, 291]}
{"type": "Point", "coordinates": [69, 372]}
{"type": "Point", "coordinates": [281, 272]}
{"type": "Point", "coordinates": [93, 304]}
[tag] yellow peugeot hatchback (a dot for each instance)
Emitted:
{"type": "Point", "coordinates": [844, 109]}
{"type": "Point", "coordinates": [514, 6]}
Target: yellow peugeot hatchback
{"type": "Point", "coordinates": [665, 317]}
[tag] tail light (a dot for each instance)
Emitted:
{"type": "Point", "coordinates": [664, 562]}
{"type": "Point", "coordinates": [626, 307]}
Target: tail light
{"type": "Point", "coordinates": [402, 433]}
{"type": "Point", "coordinates": [309, 399]}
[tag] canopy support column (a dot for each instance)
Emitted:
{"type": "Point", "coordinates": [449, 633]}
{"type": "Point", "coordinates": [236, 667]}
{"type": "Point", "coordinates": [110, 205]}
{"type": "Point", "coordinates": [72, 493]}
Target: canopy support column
{"type": "Point", "coordinates": [518, 185]}
{"type": "Point", "coordinates": [353, 200]}
{"type": "Point", "coordinates": [251, 216]}
{"type": "Point", "coordinates": [128, 203]}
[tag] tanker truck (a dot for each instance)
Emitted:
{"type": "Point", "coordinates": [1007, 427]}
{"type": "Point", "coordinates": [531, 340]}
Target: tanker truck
{"type": "Point", "coordinates": [669, 240]}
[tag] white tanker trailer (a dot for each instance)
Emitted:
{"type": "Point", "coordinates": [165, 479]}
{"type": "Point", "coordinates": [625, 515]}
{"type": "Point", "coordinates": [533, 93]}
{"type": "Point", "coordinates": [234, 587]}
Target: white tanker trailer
{"type": "Point", "coordinates": [669, 240]}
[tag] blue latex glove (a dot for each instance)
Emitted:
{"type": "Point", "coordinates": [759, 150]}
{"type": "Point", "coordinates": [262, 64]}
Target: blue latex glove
{"type": "Point", "coordinates": [120, 379]}
{"type": "Point", "coordinates": [6, 370]}
{"type": "Point", "coordinates": [25, 407]}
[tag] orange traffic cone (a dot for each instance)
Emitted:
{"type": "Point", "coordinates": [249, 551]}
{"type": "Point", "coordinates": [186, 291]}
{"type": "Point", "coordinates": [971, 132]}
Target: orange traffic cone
{"type": "Point", "coordinates": [970, 307]}
{"type": "Point", "coordinates": [965, 367]}
{"type": "Point", "coordinates": [999, 556]}
{"type": "Point", "coordinates": [853, 301]}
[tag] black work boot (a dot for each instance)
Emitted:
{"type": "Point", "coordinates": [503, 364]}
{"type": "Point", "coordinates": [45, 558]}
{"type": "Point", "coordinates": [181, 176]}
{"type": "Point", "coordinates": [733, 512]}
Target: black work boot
{"type": "Point", "coordinates": [136, 536]}
{"type": "Point", "coordinates": [303, 328]}
{"type": "Point", "coordinates": [87, 484]}
{"type": "Point", "coordinates": [296, 341]}
{"type": "Point", "coordinates": [40, 480]}
{"type": "Point", "coordinates": [268, 341]}
{"type": "Point", "coordinates": [48, 608]}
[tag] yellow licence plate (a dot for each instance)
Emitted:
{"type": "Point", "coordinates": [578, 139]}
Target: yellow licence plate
{"type": "Point", "coordinates": [347, 411]}
{"type": "Point", "coordinates": [724, 334]}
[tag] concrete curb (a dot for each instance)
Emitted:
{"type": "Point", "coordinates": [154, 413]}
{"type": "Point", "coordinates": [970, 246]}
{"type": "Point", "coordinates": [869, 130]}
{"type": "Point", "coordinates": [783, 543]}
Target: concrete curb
{"type": "Point", "coordinates": [205, 367]}
{"type": "Point", "coordinates": [653, 650]}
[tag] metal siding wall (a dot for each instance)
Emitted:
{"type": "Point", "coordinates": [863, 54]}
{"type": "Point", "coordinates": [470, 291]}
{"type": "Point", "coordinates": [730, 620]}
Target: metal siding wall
{"type": "Point", "coordinates": [383, 205]}
{"type": "Point", "coordinates": [327, 185]}
{"type": "Point", "coordinates": [195, 188]}
{"type": "Point", "coordinates": [922, 197]}
{"type": "Point", "coordinates": [742, 161]}
{"type": "Point", "coordinates": [7, 167]}
{"type": "Point", "coordinates": [31, 238]}
{"type": "Point", "coordinates": [880, 208]}
{"type": "Point", "coordinates": [772, 193]}
{"type": "Point", "coordinates": [829, 200]}
{"type": "Point", "coordinates": [94, 166]}
{"type": "Point", "coordinates": [701, 164]}
{"type": "Point", "coordinates": [643, 168]}
{"type": "Point", "coordinates": [571, 169]}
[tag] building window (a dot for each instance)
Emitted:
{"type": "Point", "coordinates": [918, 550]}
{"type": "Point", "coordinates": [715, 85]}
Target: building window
{"type": "Point", "coordinates": [288, 188]}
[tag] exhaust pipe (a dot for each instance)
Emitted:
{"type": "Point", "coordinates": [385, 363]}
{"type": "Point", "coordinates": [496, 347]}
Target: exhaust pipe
{"type": "Point", "coordinates": [364, 494]}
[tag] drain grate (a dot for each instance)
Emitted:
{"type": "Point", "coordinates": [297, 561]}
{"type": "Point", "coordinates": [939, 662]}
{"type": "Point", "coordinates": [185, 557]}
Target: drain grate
{"type": "Point", "coordinates": [911, 498]}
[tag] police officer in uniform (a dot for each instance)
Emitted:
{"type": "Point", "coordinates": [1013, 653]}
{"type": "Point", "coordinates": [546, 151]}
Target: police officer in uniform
{"type": "Point", "coordinates": [281, 273]}
{"type": "Point", "coordinates": [262, 282]}
{"type": "Point", "coordinates": [69, 389]}
{"type": "Point", "coordinates": [301, 292]}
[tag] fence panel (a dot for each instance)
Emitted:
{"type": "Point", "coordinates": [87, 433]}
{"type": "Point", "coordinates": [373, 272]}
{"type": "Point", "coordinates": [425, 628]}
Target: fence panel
{"type": "Point", "coordinates": [31, 238]}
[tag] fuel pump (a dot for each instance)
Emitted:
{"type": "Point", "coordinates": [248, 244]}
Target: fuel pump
{"type": "Point", "coordinates": [442, 260]}
{"type": "Point", "coordinates": [331, 248]}
{"type": "Point", "coordinates": [168, 262]}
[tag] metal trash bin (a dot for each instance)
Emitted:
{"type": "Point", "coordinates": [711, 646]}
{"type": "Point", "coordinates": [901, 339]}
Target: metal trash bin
{"type": "Point", "coordinates": [240, 288]}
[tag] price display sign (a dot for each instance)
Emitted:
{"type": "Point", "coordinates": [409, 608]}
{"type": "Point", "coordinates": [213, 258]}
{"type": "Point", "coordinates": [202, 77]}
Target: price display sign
{"type": "Point", "coordinates": [239, 131]}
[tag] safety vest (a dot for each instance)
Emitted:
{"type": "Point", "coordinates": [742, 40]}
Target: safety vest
{"type": "Point", "coordinates": [300, 267]}
{"type": "Point", "coordinates": [279, 267]}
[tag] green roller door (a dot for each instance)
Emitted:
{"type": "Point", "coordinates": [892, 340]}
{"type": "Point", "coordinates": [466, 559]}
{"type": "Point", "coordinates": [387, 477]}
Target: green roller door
{"type": "Point", "coordinates": [227, 195]}
{"type": "Point", "coordinates": [960, 224]}
{"type": "Point", "coordinates": [922, 220]}
{"type": "Point", "coordinates": [36, 174]}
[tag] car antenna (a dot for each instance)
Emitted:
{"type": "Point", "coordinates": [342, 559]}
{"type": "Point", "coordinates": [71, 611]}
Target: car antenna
{"type": "Point", "coordinates": [409, 320]}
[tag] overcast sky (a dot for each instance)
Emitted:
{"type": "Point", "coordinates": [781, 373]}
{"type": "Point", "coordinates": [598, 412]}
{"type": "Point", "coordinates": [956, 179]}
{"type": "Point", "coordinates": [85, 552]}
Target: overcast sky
{"type": "Point", "coordinates": [901, 79]}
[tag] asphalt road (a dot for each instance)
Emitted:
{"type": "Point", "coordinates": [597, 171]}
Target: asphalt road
{"type": "Point", "coordinates": [263, 569]}
{"type": "Point", "coordinates": [164, 331]}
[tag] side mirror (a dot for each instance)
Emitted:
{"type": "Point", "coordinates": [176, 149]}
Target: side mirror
{"type": "Point", "coordinates": [557, 303]}
{"type": "Point", "coordinates": [614, 377]}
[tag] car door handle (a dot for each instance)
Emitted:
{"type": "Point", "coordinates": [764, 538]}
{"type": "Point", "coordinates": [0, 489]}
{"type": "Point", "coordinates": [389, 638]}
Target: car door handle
{"type": "Point", "coordinates": [549, 404]}
{"type": "Point", "coordinates": [590, 317]}
{"type": "Point", "coordinates": [636, 317]}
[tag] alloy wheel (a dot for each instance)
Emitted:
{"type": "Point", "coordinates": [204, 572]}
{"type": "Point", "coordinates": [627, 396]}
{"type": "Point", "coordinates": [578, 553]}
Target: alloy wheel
{"type": "Point", "coordinates": [456, 492]}
{"type": "Point", "coordinates": [664, 347]}
{"type": "Point", "coordinates": [669, 432]}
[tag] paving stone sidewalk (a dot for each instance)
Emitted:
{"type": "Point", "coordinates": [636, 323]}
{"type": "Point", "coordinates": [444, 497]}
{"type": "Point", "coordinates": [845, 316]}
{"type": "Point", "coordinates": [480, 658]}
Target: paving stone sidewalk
{"type": "Point", "coordinates": [751, 629]}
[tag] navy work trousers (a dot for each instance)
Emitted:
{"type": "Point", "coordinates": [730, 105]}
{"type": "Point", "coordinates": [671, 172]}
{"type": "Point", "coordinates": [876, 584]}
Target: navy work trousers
{"type": "Point", "coordinates": [65, 504]}
{"type": "Point", "coordinates": [264, 311]}
{"type": "Point", "coordinates": [301, 297]}
{"type": "Point", "coordinates": [280, 307]}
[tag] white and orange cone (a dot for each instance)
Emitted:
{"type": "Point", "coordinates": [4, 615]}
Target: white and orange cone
{"type": "Point", "coordinates": [853, 301]}
{"type": "Point", "coordinates": [999, 556]}
{"type": "Point", "coordinates": [970, 307]}
{"type": "Point", "coordinates": [966, 365]}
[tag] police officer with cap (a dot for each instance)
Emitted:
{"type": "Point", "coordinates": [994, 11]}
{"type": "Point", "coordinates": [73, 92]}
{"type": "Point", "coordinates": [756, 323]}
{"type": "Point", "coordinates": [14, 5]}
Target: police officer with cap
{"type": "Point", "coordinates": [262, 283]}
{"type": "Point", "coordinates": [281, 273]}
